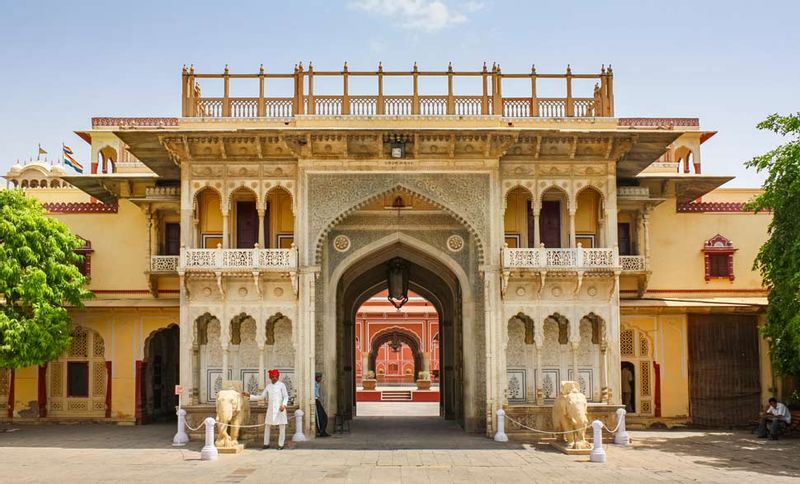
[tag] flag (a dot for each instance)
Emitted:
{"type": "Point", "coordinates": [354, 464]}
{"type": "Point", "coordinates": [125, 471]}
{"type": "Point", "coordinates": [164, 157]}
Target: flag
{"type": "Point", "coordinates": [42, 151]}
{"type": "Point", "coordinates": [70, 161]}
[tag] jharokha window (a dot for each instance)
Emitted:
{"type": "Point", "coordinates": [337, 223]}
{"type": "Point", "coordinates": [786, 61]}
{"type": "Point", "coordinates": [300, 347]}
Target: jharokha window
{"type": "Point", "coordinates": [718, 255]}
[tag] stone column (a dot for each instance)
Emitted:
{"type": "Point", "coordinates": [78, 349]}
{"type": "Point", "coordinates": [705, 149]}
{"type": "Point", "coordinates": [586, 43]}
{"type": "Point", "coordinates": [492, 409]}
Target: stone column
{"type": "Point", "coordinates": [611, 206]}
{"type": "Point", "coordinates": [261, 214]}
{"type": "Point", "coordinates": [261, 377]}
{"type": "Point", "coordinates": [572, 227]}
{"type": "Point", "coordinates": [574, 341]}
{"type": "Point", "coordinates": [225, 230]}
{"type": "Point", "coordinates": [646, 233]}
{"type": "Point", "coordinates": [531, 368]}
{"type": "Point", "coordinates": [225, 360]}
{"type": "Point", "coordinates": [194, 391]}
{"type": "Point", "coordinates": [186, 362]}
{"type": "Point", "coordinates": [603, 371]}
{"type": "Point", "coordinates": [536, 207]}
{"type": "Point", "coordinates": [539, 374]}
{"type": "Point", "coordinates": [364, 364]}
{"type": "Point", "coordinates": [426, 361]}
{"type": "Point", "coordinates": [305, 354]}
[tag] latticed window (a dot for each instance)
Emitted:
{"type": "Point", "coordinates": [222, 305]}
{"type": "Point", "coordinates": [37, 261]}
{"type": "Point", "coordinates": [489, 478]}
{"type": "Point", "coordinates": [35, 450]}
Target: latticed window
{"type": "Point", "coordinates": [78, 379]}
{"type": "Point", "coordinates": [626, 343]}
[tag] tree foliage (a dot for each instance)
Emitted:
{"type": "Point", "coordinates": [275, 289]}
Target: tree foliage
{"type": "Point", "coordinates": [38, 278]}
{"type": "Point", "coordinates": [779, 257]}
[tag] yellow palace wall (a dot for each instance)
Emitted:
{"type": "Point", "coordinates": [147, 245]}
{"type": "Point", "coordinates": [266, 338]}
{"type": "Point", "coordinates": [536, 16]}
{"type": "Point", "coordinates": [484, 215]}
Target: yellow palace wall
{"type": "Point", "coordinates": [123, 312]}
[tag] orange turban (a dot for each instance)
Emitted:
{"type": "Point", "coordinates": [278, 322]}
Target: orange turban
{"type": "Point", "coordinates": [274, 373]}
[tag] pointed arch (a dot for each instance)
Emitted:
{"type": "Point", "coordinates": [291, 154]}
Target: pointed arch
{"type": "Point", "coordinates": [563, 327]}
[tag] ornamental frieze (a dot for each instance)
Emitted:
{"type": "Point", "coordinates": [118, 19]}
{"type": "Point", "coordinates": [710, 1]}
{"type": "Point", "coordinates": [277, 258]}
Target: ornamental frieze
{"type": "Point", "coordinates": [331, 197]}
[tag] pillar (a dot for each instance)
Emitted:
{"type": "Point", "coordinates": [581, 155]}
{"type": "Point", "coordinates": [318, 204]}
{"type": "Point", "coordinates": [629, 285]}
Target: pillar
{"type": "Point", "coordinates": [610, 214]}
{"type": "Point", "coordinates": [364, 364]}
{"type": "Point", "coordinates": [261, 377]}
{"type": "Point", "coordinates": [574, 347]}
{"type": "Point", "coordinates": [426, 361]}
{"type": "Point", "coordinates": [188, 364]}
{"type": "Point", "coordinates": [572, 227]}
{"type": "Point", "coordinates": [305, 353]}
{"type": "Point", "coordinates": [225, 361]}
{"type": "Point", "coordinates": [194, 391]}
{"type": "Point", "coordinates": [531, 368]}
{"type": "Point", "coordinates": [603, 371]}
{"type": "Point", "coordinates": [539, 374]}
{"type": "Point", "coordinates": [535, 208]}
{"type": "Point", "coordinates": [261, 215]}
{"type": "Point", "coordinates": [225, 230]}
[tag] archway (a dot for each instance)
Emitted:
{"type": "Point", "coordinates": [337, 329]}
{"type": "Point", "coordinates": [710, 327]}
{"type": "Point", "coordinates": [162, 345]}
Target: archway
{"type": "Point", "coordinates": [161, 374]}
{"type": "Point", "coordinates": [429, 277]}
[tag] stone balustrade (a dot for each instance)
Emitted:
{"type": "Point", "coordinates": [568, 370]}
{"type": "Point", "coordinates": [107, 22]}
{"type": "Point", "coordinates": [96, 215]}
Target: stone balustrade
{"type": "Point", "coordinates": [633, 263]}
{"type": "Point", "coordinates": [164, 263]}
{"type": "Point", "coordinates": [561, 259]}
{"type": "Point", "coordinates": [239, 259]}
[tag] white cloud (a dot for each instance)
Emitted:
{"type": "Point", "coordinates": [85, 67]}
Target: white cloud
{"type": "Point", "coordinates": [420, 15]}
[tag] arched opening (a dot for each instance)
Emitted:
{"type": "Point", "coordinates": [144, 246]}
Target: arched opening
{"type": "Point", "coordinates": [628, 377]}
{"type": "Point", "coordinates": [434, 295]}
{"type": "Point", "coordinates": [637, 358]}
{"type": "Point", "coordinates": [245, 218]}
{"type": "Point", "coordinates": [553, 232]}
{"type": "Point", "coordinates": [161, 374]}
{"type": "Point", "coordinates": [588, 218]}
{"type": "Point", "coordinates": [24, 184]}
{"type": "Point", "coordinates": [395, 357]}
{"type": "Point", "coordinates": [107, 160]}
{"type": "Point", "coordinates": [279, 223]}
{"type": "Point", "coordinates": [208, 211]}
{"type": "Point", "coordinates": [518, 219]}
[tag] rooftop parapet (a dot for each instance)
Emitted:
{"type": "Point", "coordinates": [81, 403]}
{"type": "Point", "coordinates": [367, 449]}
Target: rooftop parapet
{"type": "Point", "coordinates": [304, 101]}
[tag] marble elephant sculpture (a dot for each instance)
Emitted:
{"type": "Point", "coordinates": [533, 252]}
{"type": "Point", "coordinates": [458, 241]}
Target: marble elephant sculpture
{"type": "Point", "coordinates": [233, 410]}
{"type": "Point", "coordinates": [570, 415]}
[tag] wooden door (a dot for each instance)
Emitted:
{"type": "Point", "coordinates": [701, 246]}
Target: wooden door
{"type": "Point", "coordinates": [724, 378]}
{"type": "Point", "coordinates": [172, 239]}
{"type": "Point", "coordinates": [550, 223]}
{"type": "Point", "coordinates": [624, 238]}
{"type": "Point", "coordinates": [246, 225]}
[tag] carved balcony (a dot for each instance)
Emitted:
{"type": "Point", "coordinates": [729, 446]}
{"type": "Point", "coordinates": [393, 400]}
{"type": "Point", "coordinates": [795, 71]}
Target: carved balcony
{"type": "Point", "coordinates": [633, 263]}
{"type": "Point", "coordinates": [164, 264]}
{"type": "Point", "coordinates": [241, 260]}
{"type": "Point", "coordinates": [543, 261]}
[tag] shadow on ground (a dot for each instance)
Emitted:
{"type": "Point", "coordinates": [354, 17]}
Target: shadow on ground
{"type": "Point", "coordinates": [366, 433]}
{"type": "Point", "coordinates": [729, 450]}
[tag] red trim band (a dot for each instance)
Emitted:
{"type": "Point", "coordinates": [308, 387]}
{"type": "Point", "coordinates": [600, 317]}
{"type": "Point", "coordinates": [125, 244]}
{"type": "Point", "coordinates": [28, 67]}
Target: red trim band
{"type": "Point", "coordinates": [80, 207]}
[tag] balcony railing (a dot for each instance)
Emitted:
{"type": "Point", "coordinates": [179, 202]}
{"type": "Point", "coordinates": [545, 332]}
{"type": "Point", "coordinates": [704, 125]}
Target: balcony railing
{"type": "Point", "coordinates": [487, 101]}
{"type": "Point", "coordinates": [632, 263]}
{"type": "Point", "coordinates": [239, 260]}
{"type": "Point", "coordinates": [164, 263]}
{"type": "Point", "coordinates": [561, 259]}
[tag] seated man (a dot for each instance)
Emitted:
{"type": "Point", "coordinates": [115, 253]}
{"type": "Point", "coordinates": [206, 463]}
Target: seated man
{"type": "Point", "coordinates": [776, 417]}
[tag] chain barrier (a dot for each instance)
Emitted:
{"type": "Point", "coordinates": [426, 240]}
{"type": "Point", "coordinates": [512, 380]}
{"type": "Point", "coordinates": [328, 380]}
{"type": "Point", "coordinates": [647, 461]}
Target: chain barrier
{"type": "Point", "coordinates": [561, 433]}
{"type": "Point", "coordinates": [217, 422]}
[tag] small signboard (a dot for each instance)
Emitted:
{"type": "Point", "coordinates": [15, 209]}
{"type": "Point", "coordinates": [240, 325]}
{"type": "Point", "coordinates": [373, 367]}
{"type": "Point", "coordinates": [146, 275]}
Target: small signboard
{"type": "Point", "coordinates": [178, 389]}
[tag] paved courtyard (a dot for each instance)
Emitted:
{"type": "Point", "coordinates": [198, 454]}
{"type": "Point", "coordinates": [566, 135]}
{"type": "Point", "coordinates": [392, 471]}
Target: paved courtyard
{"type": "Point", "coordinates": [386, 449]}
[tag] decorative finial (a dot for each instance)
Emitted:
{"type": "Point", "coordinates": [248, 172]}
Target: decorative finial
{"type": "Point", "coordinates": [415, 66]}
{"type": "Point", "coordinates": [380, 66]}
{"type": "Point", "coordinates": [310, 66]}
{"type": "Point", "coordinates": [191, 69]}
{"type": "Point", "coordinates": [484, 66]}
{"type": "Point", "coordinates": [449, 67]}
{"type": "Point", "coordinates": [184, 69]}
{"type": "Point", "coordinates": [261, 69]}
{"type": "Point", "coordinates": [569, 69]}
{"type": "Point", "coordinates": [300, 65]}
{"type": "Point", "coordinates": [533, 68]}
{"type": "Point", "coordinates": [226, 68]}
{"type": "Point", "coordinates": [609, 70]}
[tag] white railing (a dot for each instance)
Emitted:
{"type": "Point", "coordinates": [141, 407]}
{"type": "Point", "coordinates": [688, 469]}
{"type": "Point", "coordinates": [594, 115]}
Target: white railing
{"type": "Point", "coordinates": [561, 259]}
{"type": "Point", "coordinates": [163, 263]}
{"type": "Point", "coordinates": [632, 263]}
{"type": "Point", "coordinates": [240, 259]}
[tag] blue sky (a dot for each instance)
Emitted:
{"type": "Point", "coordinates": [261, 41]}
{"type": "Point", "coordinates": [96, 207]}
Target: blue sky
{"type": "Point", "coordinates": [728, 62]}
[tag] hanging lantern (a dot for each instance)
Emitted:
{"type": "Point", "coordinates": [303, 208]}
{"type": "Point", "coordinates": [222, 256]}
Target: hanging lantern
{"type": "Point", "coordinates": [397, 279]}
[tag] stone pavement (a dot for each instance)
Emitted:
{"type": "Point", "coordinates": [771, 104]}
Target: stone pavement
{"type": "Point", "coordinates": [386, 449]}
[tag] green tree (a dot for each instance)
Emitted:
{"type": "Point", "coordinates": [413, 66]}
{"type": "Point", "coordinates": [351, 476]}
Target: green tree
{"type": "Point", "coordinates": [779, 257]}
{"type": "Point", "coordinates": [38, 278]}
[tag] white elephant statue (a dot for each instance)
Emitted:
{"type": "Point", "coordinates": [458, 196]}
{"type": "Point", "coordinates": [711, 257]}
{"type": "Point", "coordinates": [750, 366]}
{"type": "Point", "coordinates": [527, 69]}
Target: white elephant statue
{"type": "Point", "coordinates": [233, 410]}
{"type": "Point", "coordinates": [570, 415]}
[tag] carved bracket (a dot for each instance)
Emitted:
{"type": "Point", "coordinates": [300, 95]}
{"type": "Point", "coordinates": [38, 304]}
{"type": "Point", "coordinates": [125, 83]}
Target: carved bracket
{"type": "Point", "coordinates": [578, 282]}
{"type": "Point", "coordinates": [504, 283]}
{"type": "Point", "coordinates": [219, 283]}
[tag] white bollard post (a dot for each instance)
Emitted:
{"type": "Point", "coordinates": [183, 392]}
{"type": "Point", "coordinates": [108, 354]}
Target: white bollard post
{"type": "Point", "coordinates": [621, 437]}
{"type": "Point", "coordinates": [181, 438]}
{"type": "Point", "coordinates": [298, 436]}
{"type": "Point", "coordinates": [598, 452]}
{"type": "Point", "coordinates": [501, 436]}
{"type": "Point", "coordinates": [209, 451]}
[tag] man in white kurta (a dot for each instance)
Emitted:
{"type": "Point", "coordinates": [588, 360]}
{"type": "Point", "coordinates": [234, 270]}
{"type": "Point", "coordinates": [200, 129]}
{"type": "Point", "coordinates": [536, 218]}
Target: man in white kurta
{"type": "Point", "coordinates": [277, 398]}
